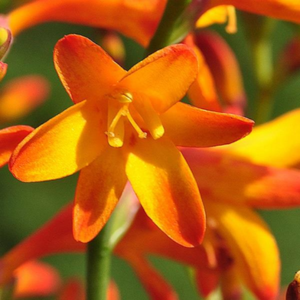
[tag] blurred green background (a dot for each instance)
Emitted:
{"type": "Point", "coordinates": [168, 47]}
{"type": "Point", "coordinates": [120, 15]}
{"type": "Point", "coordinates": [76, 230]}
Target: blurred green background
{"type": "Point", "coordinates": [25, 207]}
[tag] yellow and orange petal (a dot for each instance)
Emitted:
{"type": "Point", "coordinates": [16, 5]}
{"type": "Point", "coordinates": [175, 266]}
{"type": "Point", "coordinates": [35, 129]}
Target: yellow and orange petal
{"type": "Point", "coordinates": [164, 76]}
{"type": "Point", "coordinates": [224, 178]}
{"type": "Point", "coordinates": [252, 245]}
{"type": "Point", "coordinates": [189, 126]}
{"type": "Point", "coordinates": [275, 143]}
{"type": "Point", "coordinates": [99, 188]}
{"type": "Point", "coordinates": [166, 189]}
{"type": "Point", "coordinates": [84, 68]}
{"type": "Point", "coordinates": [9, 139]}
{"type": "Point", "coordinates": [219, 15]}
{"type": "Point", "coordinates": [61, 146]}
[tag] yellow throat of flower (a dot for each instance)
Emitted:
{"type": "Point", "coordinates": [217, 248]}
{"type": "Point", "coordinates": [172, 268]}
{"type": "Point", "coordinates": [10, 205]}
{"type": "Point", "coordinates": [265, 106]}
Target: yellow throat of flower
{"type": "Point", "coordinates": [117, 114]}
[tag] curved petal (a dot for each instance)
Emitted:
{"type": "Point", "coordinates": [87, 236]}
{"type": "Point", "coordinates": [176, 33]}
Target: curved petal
{"type": "Point", "coordinates": [135, 19]}
{"type": "Point", "coordinates": [222, 177]}
{"type": "Point", "coordinates": [99, 188]}
{"type": "Point", "coordinates": [253, 247]}
{"type": "Point", "coordinates": [61, 146]}
{"type": "Point", "coordinates": [276, 143]}
{"type": "Point", "coordinates": [189, 126]}
{"type": "Point", "coordinates": [85, 69]}
{"type": "Point", "coordinates": [166, 189]}
{"type": "Point", "coordinates": [288, 10]}
{"type": "Point", "coordinates": [164, 77]}
{"type": "Point", "coordinates": [9, 139]}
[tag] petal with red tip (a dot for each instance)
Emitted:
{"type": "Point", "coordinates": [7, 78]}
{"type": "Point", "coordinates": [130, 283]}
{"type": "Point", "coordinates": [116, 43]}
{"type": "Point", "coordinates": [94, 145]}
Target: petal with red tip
{"type": "Point", "coordinates": [193, 127]}
{"type": "Point", "coordinates": [99, 188]}
{"type": "Point", "coordinates": [84, 68]}
{"type": "Point", "coordinates": [276, 143]}
{"type": "Point", "coordinates": [164, 77]}
{"type": "Point", "coordinates": [135, 19]}
{"type": "Point", "coordinates": [9, 139]}
{"type": "Point", "coordinates": [252, 245]}
{"type": "Point", "coordinates": [53, 237]}
{"type": "Point", "coordinates": [166, 189]}
{"type": "Point", "coordinates": [61, 146]}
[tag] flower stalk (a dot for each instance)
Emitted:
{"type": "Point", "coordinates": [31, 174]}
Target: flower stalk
{"type": "Point", "coordinates": [262, 52]}
{"type": "Point", "coordinates": [98, 264]}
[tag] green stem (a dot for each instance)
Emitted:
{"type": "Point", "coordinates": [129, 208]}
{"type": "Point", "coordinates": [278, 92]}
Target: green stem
{"type": "Point", "coordinates": [262, 51]}
{"type": "Point", "coordinates": [259, 30]}
{"type": "Point", "coordinates": [169, 22]}
{"type": "Point", "coordinates": [98, 264]}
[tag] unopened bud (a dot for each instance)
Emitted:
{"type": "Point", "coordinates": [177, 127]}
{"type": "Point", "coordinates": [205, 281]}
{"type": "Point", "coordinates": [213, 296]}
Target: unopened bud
{"type": "Point", "coordinates": [5, 41]}
{"type": "Point", "coordinates": [293, 290]}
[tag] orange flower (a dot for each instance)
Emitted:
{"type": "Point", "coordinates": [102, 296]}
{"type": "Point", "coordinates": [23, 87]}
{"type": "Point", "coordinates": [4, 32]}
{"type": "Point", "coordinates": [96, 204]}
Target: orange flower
{"type": "Point", "coordinates": [137, 19]}
{"type": "Point", "coordinates": [238, 245]}
{"type": "Point", "coordinates": [124, 125]}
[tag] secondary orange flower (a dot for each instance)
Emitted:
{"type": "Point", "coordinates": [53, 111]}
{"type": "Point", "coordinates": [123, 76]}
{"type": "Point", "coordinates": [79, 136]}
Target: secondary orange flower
{"type": "Point", "coordinates": [136, 19]}
{"type": "Point", "coordinates": [124, 126]}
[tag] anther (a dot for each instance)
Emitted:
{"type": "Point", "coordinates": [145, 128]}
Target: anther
{"type": "Point", "coordinates": [231, 25]}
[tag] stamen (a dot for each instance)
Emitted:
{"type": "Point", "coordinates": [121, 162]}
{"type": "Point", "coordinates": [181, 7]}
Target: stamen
{"type": "Point", "coordinates": [141, 133]}
{"type": "Point", "coordinates": [121, 112]}
{"type": "Point", "coordinates": [232, 24]}
{"type": "Point", "coordinates": [125, 99]}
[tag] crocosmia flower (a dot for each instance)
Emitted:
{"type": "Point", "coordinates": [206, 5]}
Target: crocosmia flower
{"type": "Point", "coordinates": [126, 126]}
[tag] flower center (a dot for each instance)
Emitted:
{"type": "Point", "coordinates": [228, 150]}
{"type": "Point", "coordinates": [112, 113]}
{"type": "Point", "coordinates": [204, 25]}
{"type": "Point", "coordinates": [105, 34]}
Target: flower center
{"type": "Point", "coordinates": [116, 114]}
